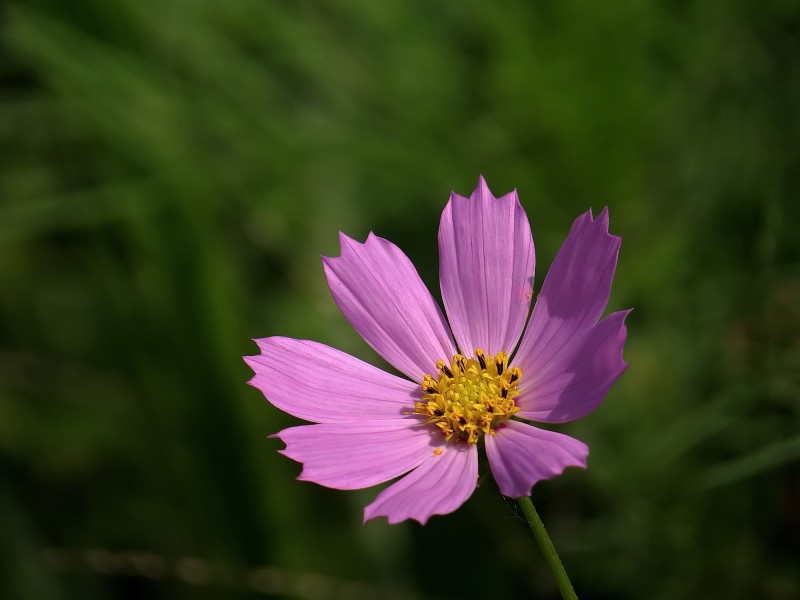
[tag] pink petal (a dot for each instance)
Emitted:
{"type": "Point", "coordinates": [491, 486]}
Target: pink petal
{"type": "Point", "coordinates": [349, 456]}
{"type": "Point", "coordinates": [576, 380]}
{"type": "Point", "coordinates": [438, 486]}
{"type": "Point", "coordinates": [520, 455]}
{"type": "Point", "coordinates": [574, 294]}
{"type": "Point", "coordinates": [486, 269]}
{"type": "Point", "coordinates": [318, 383]}
{"type": "Point", "coordinates": [383, 297]}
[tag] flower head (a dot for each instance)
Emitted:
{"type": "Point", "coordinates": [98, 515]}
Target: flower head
{"type": "Point", "coordinates": [371, 426]}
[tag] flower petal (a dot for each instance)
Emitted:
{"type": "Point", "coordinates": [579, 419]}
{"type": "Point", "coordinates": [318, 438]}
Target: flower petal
{"type": "Point", "coordinates": [318, 383]}
{"type": "Point", "coordinates": [574, 382]}
{"type": "Point", "coordinates": [486, 269]}
{"type": "Point", "coordinates": [350, 456]}
{"type": "Point", "coordinates": [438, 486]}
{"type": "Point", "coordinates": [574, 294]}
{"type": "Point", "coordinates": [520, 455]}
{"type": "Point", "coordinates": [380, 293]}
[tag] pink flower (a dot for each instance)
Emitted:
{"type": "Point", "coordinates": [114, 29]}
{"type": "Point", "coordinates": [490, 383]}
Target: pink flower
{"type": "Point", "coordinates": [372, 426]}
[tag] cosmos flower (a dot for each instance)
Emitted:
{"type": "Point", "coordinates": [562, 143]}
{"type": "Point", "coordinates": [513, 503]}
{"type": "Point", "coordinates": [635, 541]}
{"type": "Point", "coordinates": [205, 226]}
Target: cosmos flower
{"type": "Point", "coordinates": [371, 426]}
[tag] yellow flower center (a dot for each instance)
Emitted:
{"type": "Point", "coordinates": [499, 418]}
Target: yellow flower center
{"type": "Point", "coordinates": [471, 396]}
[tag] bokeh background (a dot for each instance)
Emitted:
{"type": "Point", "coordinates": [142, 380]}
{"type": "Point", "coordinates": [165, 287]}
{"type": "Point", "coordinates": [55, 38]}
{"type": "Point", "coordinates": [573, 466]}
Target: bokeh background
{"type": "Point", "coordinates": [170, 173]}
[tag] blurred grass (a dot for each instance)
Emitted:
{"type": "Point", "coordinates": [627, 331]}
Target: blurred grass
{"type": "Point", "coordinates": [171, 173]}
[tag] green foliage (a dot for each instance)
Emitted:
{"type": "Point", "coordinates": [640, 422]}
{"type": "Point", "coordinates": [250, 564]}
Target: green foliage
{"type": "Point", "coordinates": [171, 173]}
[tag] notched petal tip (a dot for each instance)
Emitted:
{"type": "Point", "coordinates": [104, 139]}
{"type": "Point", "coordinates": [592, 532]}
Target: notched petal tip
{"type": "Point", "coordinates": [601, 221]}
{"type": "Point", "coordinates": [512, 197]}
{"type": "Point", "coordinates": [622, 339]}
{"type": "Point", "coordinates": [583, 218]}
{"type": "Point", "coordinates": [482, 192]}
{"type": "Point", "coordinates": [263, 343]}
{"type": "Point", "coordinates": [252, 362]}
{"type": "Point", "coordinates": [346, 244]}
{"type": "Point", "coordinates": [455, 200]}
{"type": "Point", "coordinates": [349, 245]}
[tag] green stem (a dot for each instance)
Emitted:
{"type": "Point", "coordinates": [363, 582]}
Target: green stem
{"type": "Point", "coordinates": [547, 548]}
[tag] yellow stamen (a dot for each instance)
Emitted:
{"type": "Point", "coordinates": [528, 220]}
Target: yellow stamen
{"type": "Point", "coordinates": [471, 396]}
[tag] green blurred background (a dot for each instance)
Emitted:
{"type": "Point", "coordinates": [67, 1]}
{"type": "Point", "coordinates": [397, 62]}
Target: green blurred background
{"type": "Point", "coordinates": [170, 173]}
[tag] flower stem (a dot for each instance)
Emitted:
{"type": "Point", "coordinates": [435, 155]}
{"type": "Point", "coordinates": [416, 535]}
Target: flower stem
{"type": "Point", "coordinates": [547, 548]}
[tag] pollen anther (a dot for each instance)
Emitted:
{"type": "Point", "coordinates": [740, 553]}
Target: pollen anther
{"type": "Point", "coordinates": [471, 396]}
